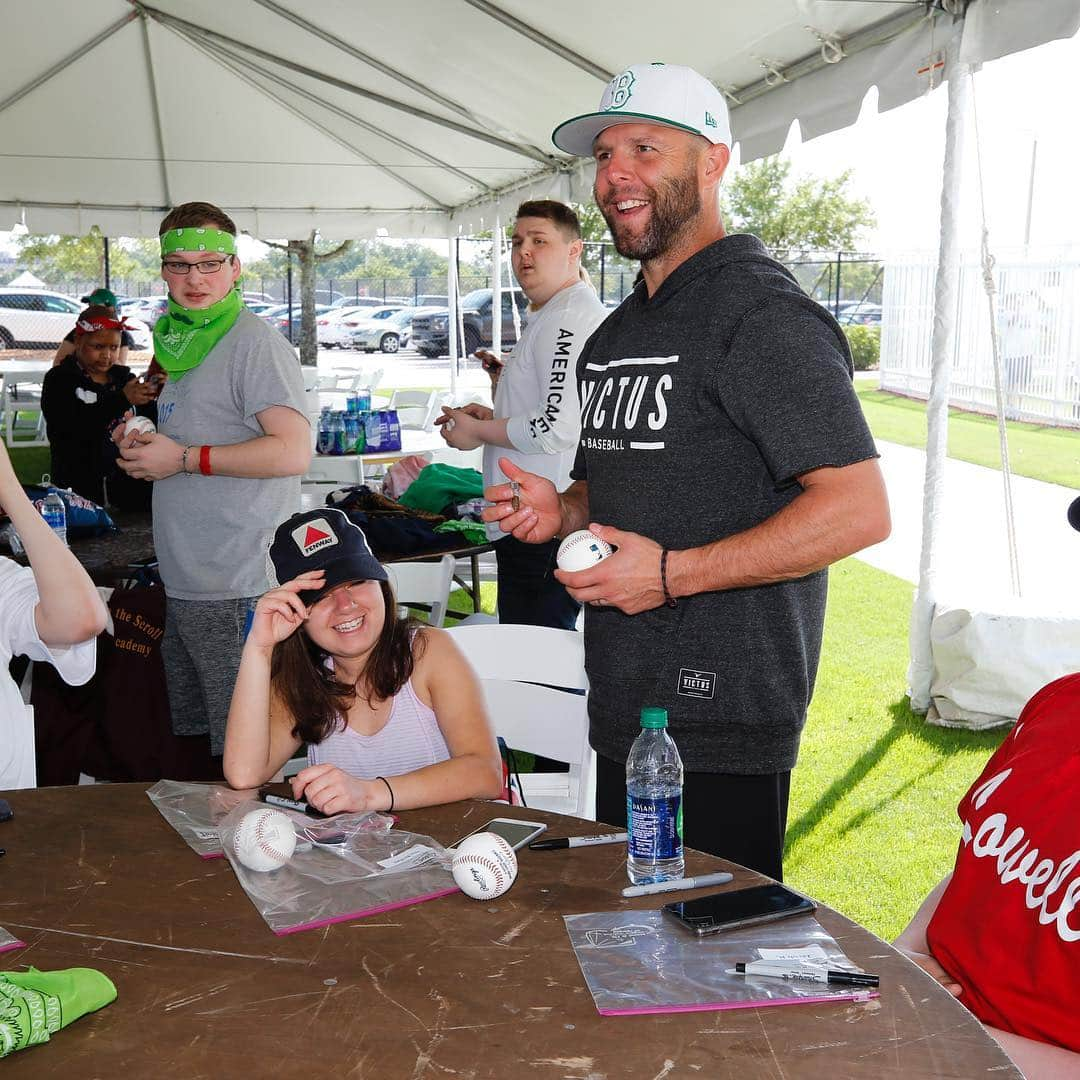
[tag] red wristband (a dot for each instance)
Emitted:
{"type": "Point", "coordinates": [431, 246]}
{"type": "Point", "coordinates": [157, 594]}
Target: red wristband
{"type": "Point", "coordinates": [204, 461]}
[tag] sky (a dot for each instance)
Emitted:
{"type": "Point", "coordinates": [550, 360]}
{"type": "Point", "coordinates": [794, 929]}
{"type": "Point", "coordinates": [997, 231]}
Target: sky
{"type": "Point", "coordinates": [896, 159]}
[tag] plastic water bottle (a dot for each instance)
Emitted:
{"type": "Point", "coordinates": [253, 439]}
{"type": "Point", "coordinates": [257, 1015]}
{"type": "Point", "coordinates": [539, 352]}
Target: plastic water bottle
{"type": "Point", "coordinates": [654, 820]}
{"type": "Point", "coordinates": [52, 510]}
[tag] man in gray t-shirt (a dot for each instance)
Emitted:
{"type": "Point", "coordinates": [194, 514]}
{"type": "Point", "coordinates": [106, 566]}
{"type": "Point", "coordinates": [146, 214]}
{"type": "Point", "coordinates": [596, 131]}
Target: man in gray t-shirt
{"type": "Point", "coordinates": [724, 453]}
{"type": "Point", "coordinates": [233, 440]}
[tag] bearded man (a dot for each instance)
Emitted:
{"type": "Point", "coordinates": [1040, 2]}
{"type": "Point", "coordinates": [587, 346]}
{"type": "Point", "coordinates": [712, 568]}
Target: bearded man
{"type": "Point", "coordinates": [725, 455]}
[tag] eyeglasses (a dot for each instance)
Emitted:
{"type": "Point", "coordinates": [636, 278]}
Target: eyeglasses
{"type": "Point", "coordinates": [207, 266]}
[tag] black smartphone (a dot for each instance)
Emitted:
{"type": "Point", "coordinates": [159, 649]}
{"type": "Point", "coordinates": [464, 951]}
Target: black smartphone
{"type": "Point", "coordinates": [718, 912]}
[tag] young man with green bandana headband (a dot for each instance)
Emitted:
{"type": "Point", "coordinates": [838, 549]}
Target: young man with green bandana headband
{"type": "Point", "coordinates": [233, 440]}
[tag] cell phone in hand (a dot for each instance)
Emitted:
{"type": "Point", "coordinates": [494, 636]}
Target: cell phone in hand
{"type": "Point", "coordinates": [719, 912]}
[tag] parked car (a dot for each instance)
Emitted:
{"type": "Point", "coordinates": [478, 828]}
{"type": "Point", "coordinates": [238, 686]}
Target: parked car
{"type": "Point", "coordinates": [366, 301]}
{"type": "Point", "coordinates": [257, 307]}
{"type": "Point", "coordinates": [141, 335]}
{"type": "Point", "coordinates": [862, 313]}
{"type": "Point", "coordinates": [279, 317]}
{"type": "Point", "coordinates": [35, 318]}
{"type": "Point", "coordinates": [430, 333]}
{"type": "Point", "coordinates": [251, 298]}
{"type": "Point", "coordinates": [388, 335]}
{"type": "Point", "coordinates": [335, 327]}
{"type": "Point", "coordinates": [148, 309]}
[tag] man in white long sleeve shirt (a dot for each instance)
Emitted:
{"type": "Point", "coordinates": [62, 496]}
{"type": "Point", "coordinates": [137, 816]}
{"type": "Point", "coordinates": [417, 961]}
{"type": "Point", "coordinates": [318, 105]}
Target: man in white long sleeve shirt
{"type": "Point", "coordinates": [536, 421]}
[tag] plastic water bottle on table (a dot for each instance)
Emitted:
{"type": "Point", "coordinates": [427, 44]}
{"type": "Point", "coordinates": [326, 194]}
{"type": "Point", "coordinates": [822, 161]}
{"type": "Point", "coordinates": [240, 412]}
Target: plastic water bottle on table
{"type": "Point", "coordinates": [55, 514]}
{"type": "Point", "coordinates": [654, 819]}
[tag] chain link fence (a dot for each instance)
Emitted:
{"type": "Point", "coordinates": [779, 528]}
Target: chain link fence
{"type": "Point", "coordinates": [36, 319]}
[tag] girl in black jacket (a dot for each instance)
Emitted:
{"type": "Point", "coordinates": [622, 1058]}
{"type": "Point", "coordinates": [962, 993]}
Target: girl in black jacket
{"type": "Point", "coordinates": [81, 398]}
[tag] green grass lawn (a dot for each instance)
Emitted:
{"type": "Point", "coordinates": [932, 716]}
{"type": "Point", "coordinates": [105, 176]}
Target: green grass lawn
{"type": "Point", "coordinates": [872, 825]}
{"type": "Point", "coordinates": [1042, 453]}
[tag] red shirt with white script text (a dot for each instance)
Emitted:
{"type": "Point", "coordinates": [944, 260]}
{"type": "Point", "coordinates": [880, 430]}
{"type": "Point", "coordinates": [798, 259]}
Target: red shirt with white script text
{"type": "Point", "coordinates": [1008, 925]}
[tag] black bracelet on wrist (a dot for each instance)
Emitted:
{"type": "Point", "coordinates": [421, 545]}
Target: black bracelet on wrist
{"type": "Point", "coordinates": [668, 598]}
{"type": "Point", "coordinates": [390, 809]}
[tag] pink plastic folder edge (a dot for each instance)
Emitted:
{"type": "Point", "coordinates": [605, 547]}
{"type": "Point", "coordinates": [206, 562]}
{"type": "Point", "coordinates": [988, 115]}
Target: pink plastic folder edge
{"type": "Point", "coordinates": [716, 1006]}
{"type": "Point", "coordinates": [366, 912]}
{"type": "Point", "coordinates": [13, 945]}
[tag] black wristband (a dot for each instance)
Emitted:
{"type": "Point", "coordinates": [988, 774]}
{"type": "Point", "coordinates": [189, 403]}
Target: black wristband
{"type": "Point", "coordinates": [390, 809]}
{"type": "Point", "coordinates": [668, 598]}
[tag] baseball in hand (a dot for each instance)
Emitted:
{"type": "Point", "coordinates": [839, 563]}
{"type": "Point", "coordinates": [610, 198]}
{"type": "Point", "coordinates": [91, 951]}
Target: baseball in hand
{"type": "Point", "coordinates": [264, 839]}
{"type": "Point", "coordinates": [484, 866]}
{"type": "Point", "coordinates": [582, 549]}
{"type": "Point", "coordinates": [143, 425]}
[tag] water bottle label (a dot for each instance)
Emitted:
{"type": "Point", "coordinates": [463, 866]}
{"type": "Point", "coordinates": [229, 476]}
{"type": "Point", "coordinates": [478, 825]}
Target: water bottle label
{"type": "Point", "coordinates": [655, 827]}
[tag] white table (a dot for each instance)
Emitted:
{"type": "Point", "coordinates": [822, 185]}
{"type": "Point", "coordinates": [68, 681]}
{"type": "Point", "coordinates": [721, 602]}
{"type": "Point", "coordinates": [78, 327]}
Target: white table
{"type": "Point", "coordinates": [349, 468]}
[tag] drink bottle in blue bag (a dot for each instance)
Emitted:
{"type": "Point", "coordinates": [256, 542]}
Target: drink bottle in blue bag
{"type": "Point", "coordinates": [654, 819]}
{"type": "Point", "coordinates": [55, 514]}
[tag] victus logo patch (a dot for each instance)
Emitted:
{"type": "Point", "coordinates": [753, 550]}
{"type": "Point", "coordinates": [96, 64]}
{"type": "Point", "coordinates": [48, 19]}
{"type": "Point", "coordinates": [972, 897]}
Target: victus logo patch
{"type": "Point", "coordinates": [699, 684]}
{"type": "Point", "coordinates": [313, 536]}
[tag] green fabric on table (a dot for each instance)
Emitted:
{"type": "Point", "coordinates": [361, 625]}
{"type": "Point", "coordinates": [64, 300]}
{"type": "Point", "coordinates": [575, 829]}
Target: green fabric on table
{"type": "Point", "coordinates": [473, 531]}
{"type": "Point", "coordinates": [34, 1004]}
{"type": "Point", "coordinates": [440, 486]}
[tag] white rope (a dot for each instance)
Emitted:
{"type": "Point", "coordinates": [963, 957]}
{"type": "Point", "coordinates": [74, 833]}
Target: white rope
{"type": "Point", "coordinates": [990, 288]}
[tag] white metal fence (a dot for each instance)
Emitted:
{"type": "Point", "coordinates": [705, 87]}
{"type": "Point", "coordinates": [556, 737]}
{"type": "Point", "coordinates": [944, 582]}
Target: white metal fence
{"type": "Point", "coordinates": [1038, 316]}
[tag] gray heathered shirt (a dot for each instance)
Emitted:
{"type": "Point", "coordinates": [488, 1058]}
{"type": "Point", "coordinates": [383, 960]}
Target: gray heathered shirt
{"type": "Point", "coordinates": [700, 406]}
{"type": "Point", "coordinates": [211, 532]}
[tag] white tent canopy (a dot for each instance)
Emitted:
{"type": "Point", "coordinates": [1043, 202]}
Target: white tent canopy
{"type": "Point", "coordinates": [423, 118]}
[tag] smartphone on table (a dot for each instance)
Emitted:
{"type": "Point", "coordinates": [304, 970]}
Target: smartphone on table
{"type": "Point", "coordinates": [719, 912]}
{"type": "Point", "coordinates": [516, 833]}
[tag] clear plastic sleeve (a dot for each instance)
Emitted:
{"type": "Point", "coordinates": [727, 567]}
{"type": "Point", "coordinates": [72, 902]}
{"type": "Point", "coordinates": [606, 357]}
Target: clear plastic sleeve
{"type": "Point", "coordinates": [8, 941]}
{"type": "Point", "coordinates": [642, 962]}
{"type": "Point", "coordinates": [195, 811]}
{"type": "Point", "coordinates": [343, 868]}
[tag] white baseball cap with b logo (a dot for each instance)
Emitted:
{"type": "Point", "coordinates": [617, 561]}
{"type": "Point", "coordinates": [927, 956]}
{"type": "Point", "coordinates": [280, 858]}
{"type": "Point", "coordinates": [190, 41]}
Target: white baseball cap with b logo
{"type": "Point", "coordinates": [666, 94]}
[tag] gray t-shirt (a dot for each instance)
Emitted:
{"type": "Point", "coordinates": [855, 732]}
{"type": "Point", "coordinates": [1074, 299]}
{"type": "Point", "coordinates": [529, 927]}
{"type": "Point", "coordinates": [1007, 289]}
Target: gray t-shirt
{"type": "Point", "coordinates": [211, 532]}
{"type": "Point", "coordinates": [700, 407]}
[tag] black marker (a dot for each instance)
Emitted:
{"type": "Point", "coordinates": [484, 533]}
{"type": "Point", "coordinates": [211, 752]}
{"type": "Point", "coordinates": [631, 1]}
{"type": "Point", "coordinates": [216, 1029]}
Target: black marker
{"type": "Point", "coordinates": [559, 842]}
{"type": "Point", "coordinates": [291, 804]}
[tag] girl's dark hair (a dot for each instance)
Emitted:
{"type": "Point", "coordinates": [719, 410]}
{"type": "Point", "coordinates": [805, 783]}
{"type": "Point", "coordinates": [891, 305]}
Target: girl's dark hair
{"type": "Point", "coordinates": [315, 699]}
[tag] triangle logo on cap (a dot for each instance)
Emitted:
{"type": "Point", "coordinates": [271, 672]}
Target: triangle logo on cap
{"type": "Point", "coordinates": [314, 535]}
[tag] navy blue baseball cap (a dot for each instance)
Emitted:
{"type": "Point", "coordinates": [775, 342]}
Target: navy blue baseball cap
{"type": "Point", "coordinates": [326, 540]}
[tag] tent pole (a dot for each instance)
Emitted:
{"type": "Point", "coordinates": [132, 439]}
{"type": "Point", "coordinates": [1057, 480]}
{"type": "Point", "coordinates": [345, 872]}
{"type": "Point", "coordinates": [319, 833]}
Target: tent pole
{"type": "Point", "coordinates": [496, 286]}
{"type": "Point", "coordinates": [942, 350]}
{"type": "Point", "coordinates": [452, 311]}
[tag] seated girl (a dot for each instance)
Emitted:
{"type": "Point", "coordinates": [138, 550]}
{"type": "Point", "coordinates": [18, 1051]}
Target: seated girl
{"type": "Point", "coordinates": [1002, 931]}
{"type": "Point", "coordinates": [81, 397]}
{"type": "Point", "coordinates": [391, 712]}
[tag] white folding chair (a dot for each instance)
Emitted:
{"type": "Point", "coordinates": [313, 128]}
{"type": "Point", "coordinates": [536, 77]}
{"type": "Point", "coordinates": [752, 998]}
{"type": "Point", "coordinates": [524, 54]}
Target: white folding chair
{"type": "Point", "coordinates": [416, 409]}
{"type": "Point", "coordinates": [520, 668]}
{"type": "Point", "coordinates": [22, 395]}
{"type": "Point", "coordinates": [426, 583]}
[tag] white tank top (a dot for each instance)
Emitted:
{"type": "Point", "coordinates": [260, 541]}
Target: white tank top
{"type": "Point", "coordinates": [409, 740]}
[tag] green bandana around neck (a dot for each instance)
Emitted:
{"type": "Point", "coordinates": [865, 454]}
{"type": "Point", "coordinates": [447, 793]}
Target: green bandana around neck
{"type": "Point", "coordinates": [183, 337]}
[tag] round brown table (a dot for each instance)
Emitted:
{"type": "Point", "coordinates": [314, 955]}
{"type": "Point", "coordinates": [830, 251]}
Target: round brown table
{"type": "Point", "coordinates": [95, 877]}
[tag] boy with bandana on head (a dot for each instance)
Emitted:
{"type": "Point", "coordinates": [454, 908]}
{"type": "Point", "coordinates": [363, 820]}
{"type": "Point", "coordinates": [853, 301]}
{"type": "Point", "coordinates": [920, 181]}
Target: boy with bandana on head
{"type": "Point", "coordinates": [233, 440]}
